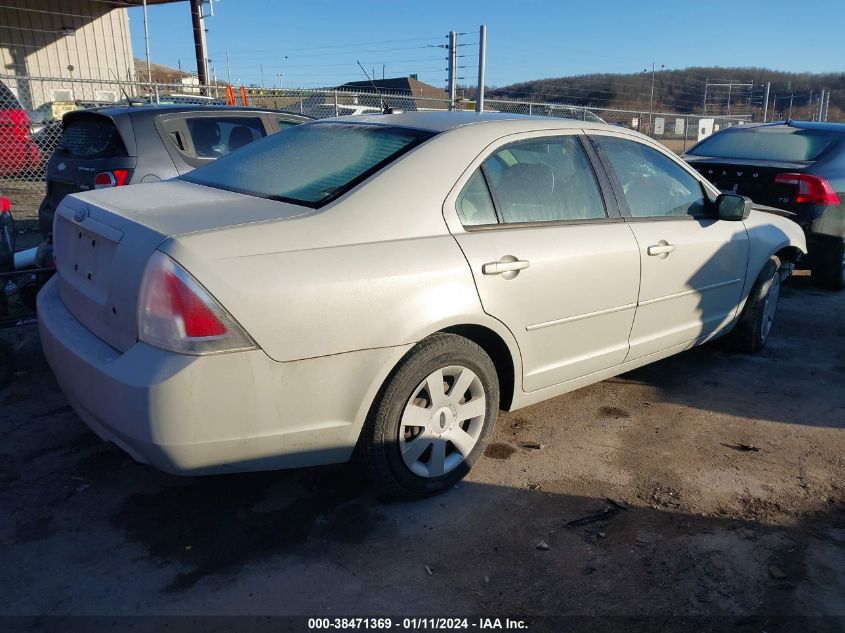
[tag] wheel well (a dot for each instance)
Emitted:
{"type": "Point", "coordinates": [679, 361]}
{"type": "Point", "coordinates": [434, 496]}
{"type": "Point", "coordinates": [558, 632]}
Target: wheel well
{"type": "Point", "coordinates": [498, 352]}
{"type": "Point", "coordinates": [789, 254]}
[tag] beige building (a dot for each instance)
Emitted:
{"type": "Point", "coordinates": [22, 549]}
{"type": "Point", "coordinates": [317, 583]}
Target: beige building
{"type": "Point", "coordinates": [85, 43]}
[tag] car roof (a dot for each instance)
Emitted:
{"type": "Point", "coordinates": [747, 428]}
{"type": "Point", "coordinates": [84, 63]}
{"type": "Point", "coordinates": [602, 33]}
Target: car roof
{"type": "Point", "coordinates": [156, 109]}
{"type": "Point", "coordinates": [443, 121]}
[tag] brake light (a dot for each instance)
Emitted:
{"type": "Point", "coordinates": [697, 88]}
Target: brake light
{"type": "Point", "coordinates": [177, 314]}
{"type": "Point", "coordinates": [810, 189]}
{"type": "Point", "coordinates": [5, 205]}
{"type": "Point", "coordinates": [113, 178]}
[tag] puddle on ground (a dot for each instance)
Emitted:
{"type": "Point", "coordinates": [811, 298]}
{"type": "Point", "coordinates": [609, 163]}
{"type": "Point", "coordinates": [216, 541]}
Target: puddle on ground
{"type": "Point", "coordinates": [499, 451]}
{"type": "Point", "coordinates": [614, 412]}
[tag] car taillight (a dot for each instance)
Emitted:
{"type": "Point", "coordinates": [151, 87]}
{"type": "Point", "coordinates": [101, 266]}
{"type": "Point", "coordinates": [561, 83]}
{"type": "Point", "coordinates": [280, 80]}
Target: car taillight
{"type": "Point", "coordinates": [177, 314]}
{"type": "Point", "coordinates": [113, 178]}
{"type": "Point", "coordinates": [810, 189]}
{"type": "Point", "coordinates": [5, 205]}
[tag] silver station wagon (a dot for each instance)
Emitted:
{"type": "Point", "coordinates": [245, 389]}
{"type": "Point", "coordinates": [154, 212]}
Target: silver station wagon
{"type": "Point", "coordinates": [387, 283]}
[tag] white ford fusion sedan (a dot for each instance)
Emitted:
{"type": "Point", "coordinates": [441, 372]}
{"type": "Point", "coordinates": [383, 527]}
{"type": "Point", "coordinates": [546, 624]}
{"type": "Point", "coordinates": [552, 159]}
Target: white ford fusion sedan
{"type": "Point", "coordinates": [388, 283]}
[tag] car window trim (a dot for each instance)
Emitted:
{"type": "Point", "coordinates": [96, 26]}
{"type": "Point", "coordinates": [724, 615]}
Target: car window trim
{"type": "Point", "coordinates": [528, 225]}
{"type": "Point", "coordinates": [619, 193]}
{"type": "Point", "coordinates": [611, 211]}
{"type": "Point", "coordinates": [492, 193]}
{"type": "Point", "coordinates": [605, 186]}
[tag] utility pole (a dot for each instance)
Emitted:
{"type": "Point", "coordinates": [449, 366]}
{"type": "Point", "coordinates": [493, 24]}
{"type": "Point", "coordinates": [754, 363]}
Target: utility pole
{"type": "Point", "coordinates": [819, 109]}
{"type": "Point", "coordinates": [791, 98]}
{"type": "Point", "coordinates": [706, 83]}
{"type": "Point", "coordinates": [730, 87]}
{"type": "Point", "coordinates": [453, 67]}
{"type": "Point", "coordinates": [228, 69]}
{"type": "Point", "coordinates": [261, 70]}
{"type": "Point", "coordinates": [810, 105]}
{"type": "Point", "coordinates": [482, 63]}
{"type": "Point", "coordinates": [651, 102]}
{"type": "Point", "coordinates": [766, 100]}
{"type": "Point", "coordinates": [199, 41]}
{"type": "Point", "coordinates": [147, 45]}
{"type": "Point", "coordinates": [826, 104]}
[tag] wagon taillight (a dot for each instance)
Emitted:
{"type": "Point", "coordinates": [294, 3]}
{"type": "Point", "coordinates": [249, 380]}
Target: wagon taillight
{"type": "Point", "coordinates": [113, 178]}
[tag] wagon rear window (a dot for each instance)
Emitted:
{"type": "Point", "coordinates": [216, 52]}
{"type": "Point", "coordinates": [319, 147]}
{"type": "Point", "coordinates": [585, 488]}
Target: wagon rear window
{"type": "Point", "coordinates": [309, 164]}
{"type": "Point", "coordinates": [92, 137]}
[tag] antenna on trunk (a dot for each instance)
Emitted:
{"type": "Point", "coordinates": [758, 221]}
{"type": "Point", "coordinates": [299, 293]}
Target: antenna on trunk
{"type": "Point", "coordinates": [384, 108]}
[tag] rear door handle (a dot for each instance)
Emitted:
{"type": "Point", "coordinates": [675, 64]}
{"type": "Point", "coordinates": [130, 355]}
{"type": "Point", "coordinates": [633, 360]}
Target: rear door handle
{"type": "Point", "coordinates": [661, 249]}
{"type": "Point", "coordinates": [504, 266]}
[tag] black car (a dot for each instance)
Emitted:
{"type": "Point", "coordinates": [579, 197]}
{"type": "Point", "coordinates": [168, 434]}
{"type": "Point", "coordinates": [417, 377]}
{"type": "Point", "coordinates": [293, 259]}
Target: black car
{"type": "Point", "coordinates": [126, 145]}
{"type": "Point", "coordinates": [797, 166]}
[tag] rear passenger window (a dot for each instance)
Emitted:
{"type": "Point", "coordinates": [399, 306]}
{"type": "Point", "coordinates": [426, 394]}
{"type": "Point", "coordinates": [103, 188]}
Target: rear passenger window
{"type": "Point", "coordinates": [545, 180]}
{"type": "Point", "coordinates": [475, 206]}
{"type": "Point", "coordinates": [653, 184]}
{"type": "Point", "coordinates": [214, 137]}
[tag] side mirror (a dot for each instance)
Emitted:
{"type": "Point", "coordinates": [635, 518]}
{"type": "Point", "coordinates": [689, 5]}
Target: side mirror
{"type": "Point", "coordinates": [35, 116]}
{"type": "Point", "coordinates": [732, 207]}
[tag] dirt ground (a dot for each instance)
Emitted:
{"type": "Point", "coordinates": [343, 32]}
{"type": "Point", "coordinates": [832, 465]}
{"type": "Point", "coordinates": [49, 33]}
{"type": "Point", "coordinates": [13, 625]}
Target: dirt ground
{"type": "Point", "coordinates": [728, 469]}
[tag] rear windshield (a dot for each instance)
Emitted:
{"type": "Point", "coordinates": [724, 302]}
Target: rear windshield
{"type": "Point", "coordinates": [91, 137]}
{"type": "Point", "coordinates": [767, 143]}
{"type": "Point", "coordinates": [309, 164]}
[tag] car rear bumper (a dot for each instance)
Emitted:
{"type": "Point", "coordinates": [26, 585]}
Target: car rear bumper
{"type": "Point", "coordinates": [211, 414]}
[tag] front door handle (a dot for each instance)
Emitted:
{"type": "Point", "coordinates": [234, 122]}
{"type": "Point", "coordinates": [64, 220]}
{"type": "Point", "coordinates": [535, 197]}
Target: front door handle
{"type": "Point", "coordinates": [661, 249]}
{"type": "Point", "coordinates": [508, 264]}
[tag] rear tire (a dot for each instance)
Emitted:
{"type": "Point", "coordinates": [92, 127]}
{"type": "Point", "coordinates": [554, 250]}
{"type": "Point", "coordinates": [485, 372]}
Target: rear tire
{"type": "Point", "coordinates": [755, 323]}
{"type": "Point", "coordinates": [419, 442]}
{"type": "Point", "coordinates": [828, 264]}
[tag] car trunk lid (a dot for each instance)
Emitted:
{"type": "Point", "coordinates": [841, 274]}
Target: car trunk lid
{"type": "Point", "coordinates": [103, 240]}
{"type": "Point", "coordinates": [755, 180]}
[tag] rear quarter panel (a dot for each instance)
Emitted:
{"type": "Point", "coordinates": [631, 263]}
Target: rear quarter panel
{"type": "Point", "coordinates": [376, 268]}
{"type": "Point", "coordinates": [768, 234]}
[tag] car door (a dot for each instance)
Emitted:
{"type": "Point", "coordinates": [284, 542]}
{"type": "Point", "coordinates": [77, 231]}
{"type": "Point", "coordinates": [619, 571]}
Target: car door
{"type": "Point", "coordinates": [551, 260]}
{"type": "Point", "coordinates": [693, 264]}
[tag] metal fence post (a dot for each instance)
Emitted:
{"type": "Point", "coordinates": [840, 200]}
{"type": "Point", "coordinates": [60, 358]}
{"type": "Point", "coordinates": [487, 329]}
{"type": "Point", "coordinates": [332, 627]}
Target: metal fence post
{"type": "Point", "coordinates": [336, 111]}
{"type": "Point", "coordinates": [686, 129]}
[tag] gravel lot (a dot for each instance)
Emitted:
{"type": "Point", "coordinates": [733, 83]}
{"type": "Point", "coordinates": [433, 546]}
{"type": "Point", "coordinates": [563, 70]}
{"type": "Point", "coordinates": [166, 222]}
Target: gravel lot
{"type": "Point", "coordinates": [731, 467]}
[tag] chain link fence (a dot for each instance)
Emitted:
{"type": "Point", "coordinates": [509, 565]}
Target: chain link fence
{"type": "Point", "coordinates": [31, 110]}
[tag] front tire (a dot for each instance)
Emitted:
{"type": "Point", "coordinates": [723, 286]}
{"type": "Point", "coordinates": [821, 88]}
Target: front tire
{"type": "Point", "coordinates": [755, 323]}
{"type": "Point", "coordinates": [434, 417]}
